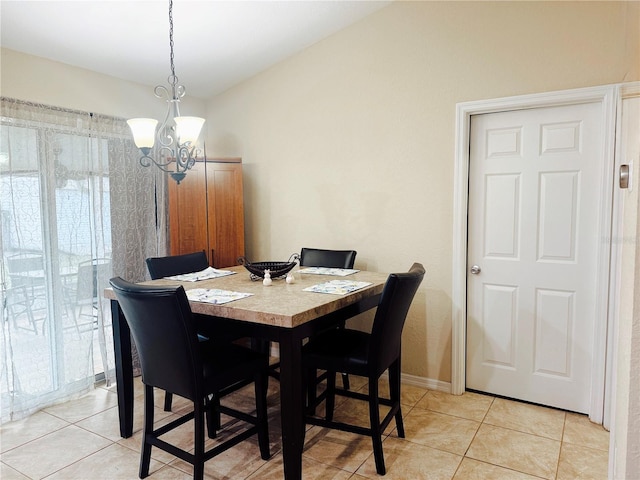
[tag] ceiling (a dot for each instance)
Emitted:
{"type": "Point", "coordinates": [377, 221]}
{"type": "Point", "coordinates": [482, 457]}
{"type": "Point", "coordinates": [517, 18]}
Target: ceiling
{"type": "Point", "coordinates": [217, 44]}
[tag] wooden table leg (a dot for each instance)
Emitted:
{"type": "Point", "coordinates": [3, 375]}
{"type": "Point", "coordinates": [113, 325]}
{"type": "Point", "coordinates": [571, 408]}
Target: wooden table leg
{"type": "Point", "coordinates": [124, 369]}
{"type": "Point", "coordinates": [291, 405]}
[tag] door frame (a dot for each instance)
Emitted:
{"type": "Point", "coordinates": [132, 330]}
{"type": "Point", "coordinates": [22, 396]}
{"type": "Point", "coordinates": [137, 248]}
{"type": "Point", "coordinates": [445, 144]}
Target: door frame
{"type": "Point", "coordinates": [607, 96]}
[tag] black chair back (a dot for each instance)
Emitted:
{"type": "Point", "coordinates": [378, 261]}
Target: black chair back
{"type": "Point", "coordinates": [160, 267]}
{"type": "Point", "coordinates": [317, 257]}
{"type": "Point", "coordinates": [164, 334]}
{"type": "Point", "coordinates": [386, 334]}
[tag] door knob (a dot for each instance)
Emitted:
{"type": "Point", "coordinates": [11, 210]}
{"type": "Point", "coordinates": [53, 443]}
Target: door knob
{"type": "Point", "coordinates": [624, 176]}
{"type": "Point", "coordinates": [475, 270]}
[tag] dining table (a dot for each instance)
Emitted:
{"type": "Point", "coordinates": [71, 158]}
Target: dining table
{"type": "Point", "coordinates": [286, 312]}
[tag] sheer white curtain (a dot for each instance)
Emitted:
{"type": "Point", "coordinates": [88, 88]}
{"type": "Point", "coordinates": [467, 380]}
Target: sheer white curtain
{"type": "Point", "coordinates": [76, 209]}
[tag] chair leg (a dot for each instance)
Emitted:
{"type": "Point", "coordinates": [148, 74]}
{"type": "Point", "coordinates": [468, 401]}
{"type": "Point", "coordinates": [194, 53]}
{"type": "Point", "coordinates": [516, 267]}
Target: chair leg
{"type": "Point", "coordinates": [331, 395]}
{"type": "Point", "coordinates": [145, 455]}
{"type": "Point", "coordinates": [198, 440]}
{"type": "Point", "coordinates": [345, 381]}
{"type": "Point", "coordinates": [312, 391]}
{"type": "Point", "coordinates": [394, 391]}
{"type": "Point", "coordinates": [261, 383]}
{"type": "Point", "coordinates": [168, 398]}
{"type": "Point", "coordinates": [376, 432]}
{"type": "Point", "coordinates": [212, 415]}
{"type": "Point", "coordinates": [345, 377]}
{"type": "Point", "coordinates": [214, 421]}
{"type": "Point", "coordinates": [399, 422]}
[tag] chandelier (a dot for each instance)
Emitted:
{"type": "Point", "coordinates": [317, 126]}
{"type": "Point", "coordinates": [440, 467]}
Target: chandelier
{"type": "Point", "coordinates": [176, 135]}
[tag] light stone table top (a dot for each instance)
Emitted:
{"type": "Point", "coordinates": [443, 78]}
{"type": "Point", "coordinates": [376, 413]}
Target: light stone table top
{"type": "Point", "coordinates": [281, 304]}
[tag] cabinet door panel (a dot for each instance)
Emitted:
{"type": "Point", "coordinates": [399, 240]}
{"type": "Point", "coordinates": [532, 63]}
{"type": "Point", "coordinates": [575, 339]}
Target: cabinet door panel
{"type": "Point", "coordinates": [226, 213]}
{"type": "Point", "coordinates": [188, 213]}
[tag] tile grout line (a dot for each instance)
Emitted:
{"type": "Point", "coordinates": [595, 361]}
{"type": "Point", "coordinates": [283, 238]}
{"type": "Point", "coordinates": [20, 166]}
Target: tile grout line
{"type": "Point", "coordinates": [77, 461]}
{"type": "Point", "coordinates": [48, 432]}
{"type": "Point", "coordinates": [564, 427]}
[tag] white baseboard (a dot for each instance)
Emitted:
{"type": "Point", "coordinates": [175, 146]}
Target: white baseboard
{"type": "Point", "coordinates": [407, 379]}
{"type": "Point", "coordinates": [428, 383]}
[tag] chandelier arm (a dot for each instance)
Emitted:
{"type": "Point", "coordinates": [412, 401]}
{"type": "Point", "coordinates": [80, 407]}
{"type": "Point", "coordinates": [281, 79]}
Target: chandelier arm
{"type": "Point", "coordinates": [166, 134]}
{"type": "Point", "coordinates": [162, 136]}
{"type": "Point", "coordinates": [184, 158]}
{"type": "Point", "coordinates": [147, 160]}
{"type": "Point", "coordinates": [160, 91]}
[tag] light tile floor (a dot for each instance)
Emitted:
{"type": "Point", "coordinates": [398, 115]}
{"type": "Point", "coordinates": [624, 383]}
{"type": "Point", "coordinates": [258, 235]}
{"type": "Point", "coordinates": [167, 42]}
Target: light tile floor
{"type": "Point", "coordinates": [465, 437]}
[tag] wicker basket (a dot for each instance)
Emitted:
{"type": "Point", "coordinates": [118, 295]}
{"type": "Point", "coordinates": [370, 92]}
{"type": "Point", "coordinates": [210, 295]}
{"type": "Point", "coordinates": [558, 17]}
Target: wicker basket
{"type": "Point", "coordinates": [276, 269]}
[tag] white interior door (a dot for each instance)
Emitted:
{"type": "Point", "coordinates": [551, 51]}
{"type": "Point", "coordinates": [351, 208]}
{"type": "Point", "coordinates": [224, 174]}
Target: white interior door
{"type": "Point", "coordinates": [533, 235]}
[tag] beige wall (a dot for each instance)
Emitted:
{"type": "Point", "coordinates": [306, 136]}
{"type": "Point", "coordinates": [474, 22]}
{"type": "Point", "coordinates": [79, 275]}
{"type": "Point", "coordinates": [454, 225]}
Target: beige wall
{"type": "Point", "coordinates": [39, 80]}
{"type": "Point", "coordinates": [350, 144]}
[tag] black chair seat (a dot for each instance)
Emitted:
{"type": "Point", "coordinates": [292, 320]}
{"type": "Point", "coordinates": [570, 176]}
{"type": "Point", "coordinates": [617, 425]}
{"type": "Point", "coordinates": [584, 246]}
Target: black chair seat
{"type": "Point", "coordinates": [228, 363]}
{"type": "Point", "coordinates": [339, 350]}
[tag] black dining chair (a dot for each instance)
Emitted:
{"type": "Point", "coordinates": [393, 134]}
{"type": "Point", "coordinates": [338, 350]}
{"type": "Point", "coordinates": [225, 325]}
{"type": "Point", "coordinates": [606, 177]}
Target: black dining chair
{"type": "Point", "coordinates": [160, 267]}
{"type": "Point", "coordinates": [173, 359]}
{"type": "Point", "coordinates": [367, 355]}
{"type": "Point", "coordinates": [319, 257]}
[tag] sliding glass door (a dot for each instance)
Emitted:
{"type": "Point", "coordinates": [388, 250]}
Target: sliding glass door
{"type": "Point", "coordinates": [56, 261]}
{"type": "Point", "coordinates": [76, 209]}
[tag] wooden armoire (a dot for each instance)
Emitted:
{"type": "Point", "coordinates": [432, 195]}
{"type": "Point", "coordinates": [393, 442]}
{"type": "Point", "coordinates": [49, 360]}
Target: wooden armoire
{"type": "Point", "coordinates": [206, 211]}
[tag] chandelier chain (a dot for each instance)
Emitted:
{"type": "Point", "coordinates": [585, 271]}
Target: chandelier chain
{"type": "Point", "coordinates": [173, 68]}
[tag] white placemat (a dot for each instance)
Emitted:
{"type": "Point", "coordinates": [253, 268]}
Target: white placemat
{"type": "Point", "coordinates": [340, 272]}
{"type": "Point", "coordinates": [337, 287]}
{"type": "Point", "coordinates": [205, 274]}
{"type": "Point", "coordinates": [214, 295]}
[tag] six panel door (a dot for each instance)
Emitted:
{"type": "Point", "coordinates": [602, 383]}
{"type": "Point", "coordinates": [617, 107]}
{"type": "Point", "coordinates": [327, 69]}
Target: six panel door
{"type": "Point", "coordinates": [532, 249]}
